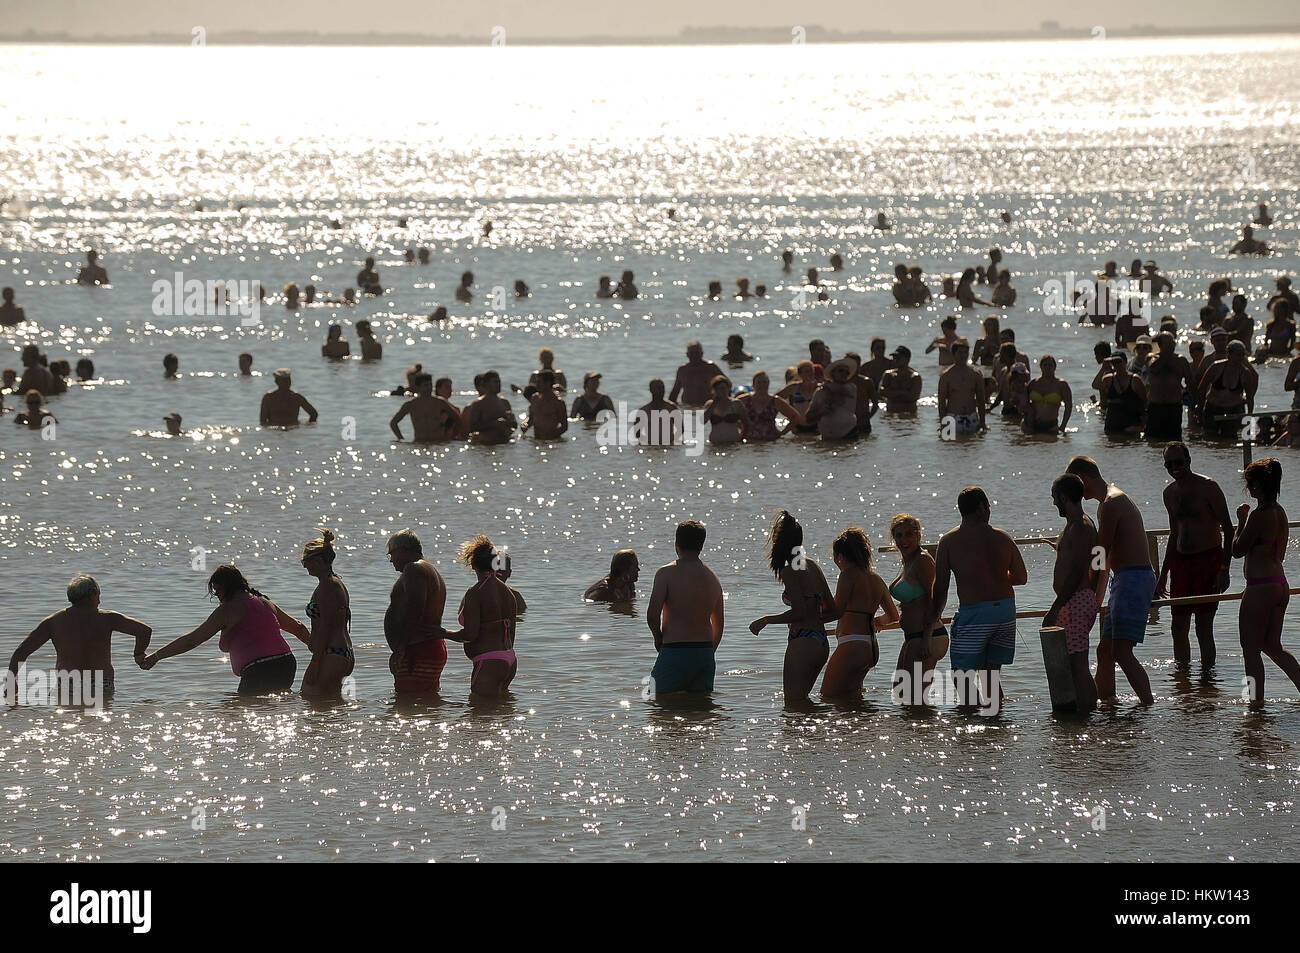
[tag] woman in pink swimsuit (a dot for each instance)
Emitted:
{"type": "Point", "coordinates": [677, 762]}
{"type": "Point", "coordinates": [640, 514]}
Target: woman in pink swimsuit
{"type": "Point", "coordinates": [1261, 539]}
{"type": "Point", "coordinates": [250, 626]}
{"type": "Point", "coordinates": [488, 613]}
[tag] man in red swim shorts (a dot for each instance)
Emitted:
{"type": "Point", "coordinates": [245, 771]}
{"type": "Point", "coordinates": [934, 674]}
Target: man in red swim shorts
{"type": "Point", "coordinates": [413, 622]}
{"type": "Point", "coordinates": [1195, 559]}
{"type": "Point", "coordinates": [1075, 608]}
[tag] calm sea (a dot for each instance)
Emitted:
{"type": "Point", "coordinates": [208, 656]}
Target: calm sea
{"type": "Point", "coordinates": [685, 165]}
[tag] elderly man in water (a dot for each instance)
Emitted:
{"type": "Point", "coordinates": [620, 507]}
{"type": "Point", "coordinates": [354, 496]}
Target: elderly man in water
{"type": "Point", "coordinates": [82, 634]}
{"type": "Point", "coordinates": [280, 406]}
{"type": "Point", "coordinates": [694, 380]}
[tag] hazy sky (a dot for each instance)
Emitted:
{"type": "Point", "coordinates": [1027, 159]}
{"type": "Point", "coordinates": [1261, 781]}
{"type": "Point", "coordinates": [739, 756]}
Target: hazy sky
{"type": "Point", "coordinates": [555, 18]}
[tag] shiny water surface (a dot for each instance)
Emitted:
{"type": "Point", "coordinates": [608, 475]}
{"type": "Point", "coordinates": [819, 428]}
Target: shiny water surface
{"type": "Point", "coordinates": [685, 165]}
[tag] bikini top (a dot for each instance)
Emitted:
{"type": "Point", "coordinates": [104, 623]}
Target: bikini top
{"type": "Point", "coordinates": [313, 610]}
{"type": "Point", "coordinates": [1051, 399]}
{"type": "Point", "coordinates": [507, 624]}
{"type": "Point", "coordinates": [905, 591]}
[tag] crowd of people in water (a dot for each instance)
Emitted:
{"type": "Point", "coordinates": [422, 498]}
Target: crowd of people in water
{"type": "Point", "coordinates": [1142, 386]}
{"type": "Point", "coordinates": [685, 608]}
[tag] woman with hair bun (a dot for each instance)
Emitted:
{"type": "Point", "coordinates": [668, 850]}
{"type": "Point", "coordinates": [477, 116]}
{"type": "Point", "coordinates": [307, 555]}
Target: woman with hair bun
{"type": "Point", "coordinates": [488, 613]}
{"type": "Point", "coordinates": [858, 594]}
{"type": "Point", "coordinates": [331, 615]}
{"type": "Point", "coordinates": [1261, 539]}
{"type": "Point", "coordinates": [811, 607]}
{"type": "Point", "coordinates": [250, 625]}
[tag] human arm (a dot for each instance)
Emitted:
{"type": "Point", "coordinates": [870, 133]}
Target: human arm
{"type": "Point", "coordinates": [305, 404]}
{"type": "Point", "coordinates": [942, 573]}
{"type": "Point", "coordinates": [291, 625]}
{"type": "Point", "coordinates": [264, 414]}
{"type": "Point", "coordinates": [38, 637]}
{"type": "Point", "coordinates": [677, 387]}
{"type": "Point", "coordinates": [222, 617]}
{"type": "Point", "coordinates": [130, 626]}
{"type": "Point", "coordinates": [1171, 508]}
{"type": "Point", "coordinates": [1067, 405]}
{"type": "Point", "coordinates": [655, 608]}
{"type": "Point", "coordinates": [398, 417]}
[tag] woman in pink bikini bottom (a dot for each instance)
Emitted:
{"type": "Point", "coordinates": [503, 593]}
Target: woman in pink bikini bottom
{"type": "Point", "coordinates": [488, 614]}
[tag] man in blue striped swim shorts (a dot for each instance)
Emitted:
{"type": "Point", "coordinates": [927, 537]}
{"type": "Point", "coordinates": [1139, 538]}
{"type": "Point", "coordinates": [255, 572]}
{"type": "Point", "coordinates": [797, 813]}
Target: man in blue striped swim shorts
{"type": "Point", "coordinates": [988, 567]}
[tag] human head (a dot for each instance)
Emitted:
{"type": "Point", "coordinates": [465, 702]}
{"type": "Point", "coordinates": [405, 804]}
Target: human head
{"type": "Point", "coordinates": [591, 381]}
{"type": "Point", "coordinates": [786, 538]}
{"type": "Point", "coordinates": [546, 357]}
{"type": "Point", "coordinates": [853, 548]}
{"type": "Point", "coordinates": [83, 588]}
{"type": "Point", "coordinates": [720, 386]}
{"type": "Point", "coordinates": [245, 363]}
{"type": "Point", "coordinates": [905, 530]}
{"type": "Point", "coordinates": [283, 378]}
{"type": "Point", "coordinates": [694, 350]}
{"type": "Point", "coordinates": [1101, 351]}
{"type": "Point", "coordinates": [171, 363]}
{"type": "Point", "coordinates": [877, 347]}
{"type": "Point", "coordinates": [85, 369]}
{"type": "Point", "coordinates": [226, 581]}
{"type": "Point", "coordinates": [656, 388]}
{"type": "Point", "coordinates": [1263, 479]}
{"type": "Point", "coordinates": [404, 548]}
{"type": "Point", "coordinates": [1178, 459]}
{"type": "Point", "coordinates": [624, 566]}
{"type": "Point", "coordinates": [902, 356]}
{"type": "Point", "coordinates": [442, 387]}
{"type": "Point", "coordinates": [321, 548]}
{"type": "Point", "coordinates": [422, 383]}
{"type": "Point", "coordinates": [690, 537]}
{"type": "Point", "coordinates": [1067, 495]}
{"type": "Point", "coordinates": [761, 382]}
{"type": "Point", "coordinates": [972, 501]}
{"type": "Point", "coordinates": [363, 328]}
{"type": "Point", "coordinates": [1086, 469]}
{"type": "Point", "coordinates": [478, 553]}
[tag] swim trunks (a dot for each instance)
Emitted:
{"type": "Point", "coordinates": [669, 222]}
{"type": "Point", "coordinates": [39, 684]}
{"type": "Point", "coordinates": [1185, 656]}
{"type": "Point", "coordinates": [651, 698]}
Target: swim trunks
{"type": "Point", "coordinates": [1125, 617]}
{"type": "Point", "coordinates": [1164, 421]}
{"type": "Point", "coordinates": [967, 423]}
{"type": "Point", "coordinates": [418, 667]}
{"type": "Point", "coordinates": [984, 635]}
{"type": "Point", "coordinates": [1076, 618]}
{"type": "Point", "coordinates": [683, 667]}
{"type": "Point", "coordinates": [1194, 574]}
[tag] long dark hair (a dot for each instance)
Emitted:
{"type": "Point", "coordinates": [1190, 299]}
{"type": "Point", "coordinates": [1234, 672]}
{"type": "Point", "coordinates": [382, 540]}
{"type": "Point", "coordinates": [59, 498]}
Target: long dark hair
{"type": "Point", "coordinates": [853, 546]}
{"type": "Point", "coordinates": [787, 535]}
{"type": "Point", "coordinates": [226, 578]}
{"type": "Point", "coordinates": [1267, 474]}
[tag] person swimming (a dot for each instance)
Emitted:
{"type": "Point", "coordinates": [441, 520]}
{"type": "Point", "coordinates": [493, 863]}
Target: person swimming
{"type": "Point", "coordinates": [620, 584]}
{"type": "Point", "coordinates": [335, 347]}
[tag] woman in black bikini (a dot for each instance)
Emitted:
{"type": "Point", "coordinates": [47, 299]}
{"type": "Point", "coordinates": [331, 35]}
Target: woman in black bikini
{"type": "Point", "coordinates": [330, 614]}
{"type": "Point", "coordinates": [1124, 398]}
{"type": "Point", "coordinates": [1261, 538]}
{"type": "Point", "coordinates": [858, 594]}
{"type": "Point", "coordinates": [1224, 399]}
{"type": "Point", "coordinates": [811, 607]}
{"type": "Point", "coordinates": [591, 401]}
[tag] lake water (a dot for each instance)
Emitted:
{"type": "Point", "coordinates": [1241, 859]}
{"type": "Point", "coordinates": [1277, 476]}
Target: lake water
{"type": "Point", "coordinates": [1112, 149]}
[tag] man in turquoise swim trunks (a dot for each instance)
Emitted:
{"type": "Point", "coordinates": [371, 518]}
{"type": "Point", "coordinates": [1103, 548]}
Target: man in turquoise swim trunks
{"type": "Point", "coordinates": [988, 567]}
{"type": "Point", "coordinates": [1122, 546]}
{"type": "Point", "coordinates": [685, 618]}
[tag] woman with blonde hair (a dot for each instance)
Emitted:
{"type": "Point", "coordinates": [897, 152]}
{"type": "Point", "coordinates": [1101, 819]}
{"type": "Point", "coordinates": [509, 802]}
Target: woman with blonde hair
{"type": "Point", "coordinates": [924, 643]}
{"type": "Point", "coordinates": [488, 613]}
{"type": "Point", "coordinates": [858, 594]}
{"type": "Point", "coordinates": [330, 613]}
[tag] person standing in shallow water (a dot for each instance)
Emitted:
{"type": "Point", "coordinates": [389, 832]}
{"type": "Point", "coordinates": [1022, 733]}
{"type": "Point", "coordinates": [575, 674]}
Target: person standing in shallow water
{"type": "Point", "coordinates": [82, 634]}
{"type": "Point", "coordinates": [1123, 541]}
{"type": "Point", "coordinates": [685, 616]}
{"type": "Point", "coordinates": [1196, 559]}
{"type": "Point", "coordinates": [250, 625]}
{"type": "Point", "coordinates": [1075, 606]}
{"type": "Point", "coordinates": [330, 613]}
{"type": "Point", "coordinates": [488, 616]}
{"type": "Point", "coordinates": [413, 622]}
{"type": "Point", "coordinates": [280, 406]}
{"type": "Point", "coordinates": [859, 592]}
{"type": "Point", "coordinates": [811, 606]}
{"type": "Point", "coordinates": [988, 567]}
{"type": "Point", "coordinates": [1261, 540]}
{"type": "Point", "coordinates": [924, 644]}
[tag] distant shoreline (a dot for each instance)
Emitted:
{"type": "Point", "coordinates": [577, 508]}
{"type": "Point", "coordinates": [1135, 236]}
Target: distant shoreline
{"type": "Point", "coordinates": [693, 36]}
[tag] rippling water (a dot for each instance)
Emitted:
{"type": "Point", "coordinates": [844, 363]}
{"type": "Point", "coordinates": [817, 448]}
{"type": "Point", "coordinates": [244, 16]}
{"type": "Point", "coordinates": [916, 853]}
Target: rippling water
{"type": "Point", "coordinates": [1113, 149]}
